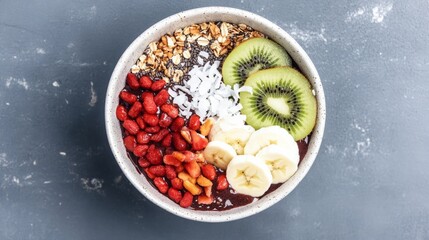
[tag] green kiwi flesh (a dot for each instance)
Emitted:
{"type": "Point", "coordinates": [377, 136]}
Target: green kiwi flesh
{"type": "Point", "coordinates": [250, 56]}
{"type": "Point", "coordinates": [281, 96]}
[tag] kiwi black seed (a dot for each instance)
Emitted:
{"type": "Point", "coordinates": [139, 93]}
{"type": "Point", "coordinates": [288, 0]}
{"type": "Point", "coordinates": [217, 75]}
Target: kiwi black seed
{"type": "Point", "coordinates": [250, 56]}
{"type": "Point", "coordinates": [281, 96]}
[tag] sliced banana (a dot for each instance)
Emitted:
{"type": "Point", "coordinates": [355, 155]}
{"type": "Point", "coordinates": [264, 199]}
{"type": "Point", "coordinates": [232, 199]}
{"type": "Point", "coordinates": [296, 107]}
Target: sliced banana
{"type": "Point", "coordinates": [237, 137]}
{"type": "Point", "coordinates": [225, 124]}
{"type": "Point", "coordinates": [266, 136]}
{"type": "Point", "coordinates": [248, 175]}
{"type": "Point", "coordinates": [219, 154]}
{"type": "Point", "coordinates": [282, 163]}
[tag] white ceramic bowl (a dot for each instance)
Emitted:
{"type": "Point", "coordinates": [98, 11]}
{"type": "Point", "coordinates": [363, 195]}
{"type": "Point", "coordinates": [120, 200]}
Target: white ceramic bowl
{"type": "Point", "coordinates": [180, 20]}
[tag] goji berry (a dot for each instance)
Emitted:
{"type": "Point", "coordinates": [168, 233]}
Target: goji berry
{"type": "Point", "coordinates": [170, 173]}
{"type": "Point", "coordinates": [132, 81]}
{"type": "Point", "coordinates": [149, 104]}
{"type": "Point", "coordinates": [177, 183]}
{"type": "Point", "coordinates": [158, 85]}
{"type": "Point", "coordinates": [154, 129]}
{"type": "Point", "coordinates": [174, 195]}
{"type": "Point", "coordinates": [178, 142]}
{"type": "Point", "coordinates": [140, 150]}
{"type": "Point", "coordinates": [130, 143]}
{"type": "Point", "coordinates": [151, 119]}
{"type": "Point", "coordinates": [121, 113]}
{"type": "Point", "coordinates": [131, 126]}
{"type": "Point", "coordinates": [128, 97]}
{"type": "Point", "coordinates": [165, 120]}
{"type": "Point", "coordinates": [171, 110]}
{"type": "Point", "coordinates": [159, 136]}
{"type": "Point", "coordinates": [177, 124]}
{"type": "Point", "coordinates": [145, 82]}
{"type": "Point", "coordinates": [187, 200]}
{"type": "Point", "coordinates": [166, 142]}
{"type": "Point", "coordinates": [157, 170]}
{"type": "Point", "coordinates": [162, 97]}
{"type": "Point", "coordinates": [154, 156]}
{"type": "Point", "coordinates": [143, 163]}
{"type": "Point", "coordinates": [161, 184]}
{"type": "Point", "coordinates": [199, 142]}
{"type": "Point", "coordinates": [143, 137]}
{"type": "Point", "coordinates": [140, 122]}
{"type": "Point", "coordinates": [135, 110]}
{"type": "Point", "coordinates": [148, 173]}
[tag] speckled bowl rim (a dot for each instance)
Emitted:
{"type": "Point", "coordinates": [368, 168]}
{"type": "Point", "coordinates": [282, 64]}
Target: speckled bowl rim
{"type": "Point", "coordinates": [182, 19]}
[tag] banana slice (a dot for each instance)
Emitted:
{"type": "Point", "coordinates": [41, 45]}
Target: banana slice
{"type": "Point", "coordinates": [237, 137]}
{"type": "Point", "coordinates": [219, 154]}
{"type": "Point", "coordinates": [225, 124]}
{"type": "Point", "coordinates": [248, 175]}
{"type": "Point", "coordinates": [282, 163]}
{"type": "Point", "coordinates": [270, 135]}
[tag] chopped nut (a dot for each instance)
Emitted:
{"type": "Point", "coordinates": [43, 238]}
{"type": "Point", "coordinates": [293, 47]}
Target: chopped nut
{"type": "Point", "coordinates": [170, 42]}
{"type": "Point", "coordinates": [186, 54]}
{"type": "Point", "coordinates": [224, 29]}
{"type": "Point", "coordinates": [135, 69]}
{"type": "Point", "coordinates": [203, 41]}
{"type": "Point", "coordinates": [166, 79]}
{"type": "Point", "coordinates": [153, 46]}
{"type": "Point", "coordinates": [176, 59]}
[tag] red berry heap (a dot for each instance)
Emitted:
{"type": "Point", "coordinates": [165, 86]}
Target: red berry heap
{"type": "Point", "coordinates": [166, 146]}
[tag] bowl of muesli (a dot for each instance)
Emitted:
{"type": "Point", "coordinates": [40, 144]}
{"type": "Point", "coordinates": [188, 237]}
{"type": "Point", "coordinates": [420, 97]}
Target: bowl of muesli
{"type": "Point", "coordinates": [215, 114]}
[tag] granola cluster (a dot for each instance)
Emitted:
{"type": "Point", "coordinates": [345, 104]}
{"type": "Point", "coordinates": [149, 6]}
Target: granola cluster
{"type": "Point", "coordinates": [174, 54]}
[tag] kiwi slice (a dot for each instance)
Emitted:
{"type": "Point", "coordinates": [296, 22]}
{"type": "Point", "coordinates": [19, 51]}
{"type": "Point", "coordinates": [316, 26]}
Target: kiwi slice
{"type": "Point", "coordinates": [250, 56]}
{"type": "Point", "coordinates": [281, 96]}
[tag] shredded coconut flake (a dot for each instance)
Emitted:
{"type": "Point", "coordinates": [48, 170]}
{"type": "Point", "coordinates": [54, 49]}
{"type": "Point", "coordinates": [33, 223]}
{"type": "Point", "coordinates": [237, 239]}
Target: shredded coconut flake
{"type": "Point", "coordinates": [209, 96]}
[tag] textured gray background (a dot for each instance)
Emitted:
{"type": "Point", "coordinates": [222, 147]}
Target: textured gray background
{"type": "Point", "coordinates": [58, 178]}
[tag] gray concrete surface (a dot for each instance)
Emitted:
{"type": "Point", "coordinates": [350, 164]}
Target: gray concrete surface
{"type": "Point", "coordinates": [58, 178]}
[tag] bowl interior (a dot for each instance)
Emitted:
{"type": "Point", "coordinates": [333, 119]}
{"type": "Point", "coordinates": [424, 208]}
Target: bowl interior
{"type": "Point", "coordinates": [180, 20]}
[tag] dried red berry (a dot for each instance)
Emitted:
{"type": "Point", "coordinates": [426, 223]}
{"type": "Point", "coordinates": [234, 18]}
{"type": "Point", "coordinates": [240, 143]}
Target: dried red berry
{"type": "Point", "coordinates": [178, 142]}
{"type": "Point", "coordinates": [187, 200]}
{"type": "Point", "coordinates": [158, 85]}
{"type": "Point", "coordinates": [151, 119]}
{"type": "Point", "coordinates": [170, 172]}
{"type": "Point", "coordinates": [162, 97]}
{"type": "Point", "coordinates": [140, 122]}
{"type": "Point", "coordinates": [158, 170]}
{"type": "Point", "coordinates": [171, 110]}
{"type": "Point", "coordinates": [199, 142]}
{"type": "Point", "coordinates": [135, 110]}
{"type": "Point", "coordinates": [145, 82]}
{"type": "Point", "coordinates": [166, 142]}
{"type": "Point", "coordinates": [143, 163]}
{"type": "Point", "coordinates": [161, 184]}
{"type": "Point", "coordinates": [165, 120]}
{"type": "Point", "coordinates": [154, 155]}
{"type": "Point", "coordinates": [132, 81]}
{"type": "Point", "coordinates": [128, 97]}
{"type": "Point", "coordinates": [177, 124]}
{"type": "Point", "coordinates": [149, 104]}
{"type": "Point", "coordinates": [130, 143]}
{"type": "Point", "coordinates": [177, 183]}
{"type": "Point", "coordinates": [121, 113]}
{"type": "Point", "coordinates": [131, 126]}
{"type": "Point", "coordinates": [174, 195]}
{"type": "Point", "coordinates": [143, 137]}
{"type": "Point", "coordinates": [140, 150]}
{"type": "Point", "coordinates": [170, 160]}
{"type": "Point", "coordinates": [160, 135]}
